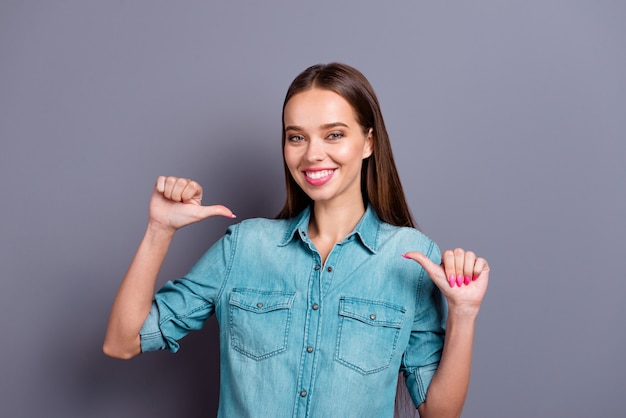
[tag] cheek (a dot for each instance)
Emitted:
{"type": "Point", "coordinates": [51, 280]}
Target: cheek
{"type": "Point", "coordinates": [350, 154]}
{"type": "Point", "coordinates": [291, 159]}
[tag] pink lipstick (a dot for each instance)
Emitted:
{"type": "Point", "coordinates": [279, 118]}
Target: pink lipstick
{"type": "Point", "coordinates": [318, 176]}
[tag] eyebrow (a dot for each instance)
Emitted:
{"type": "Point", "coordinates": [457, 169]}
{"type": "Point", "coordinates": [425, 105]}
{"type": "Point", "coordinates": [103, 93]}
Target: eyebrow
{"type": "Point", "coordinates": [325, 126]}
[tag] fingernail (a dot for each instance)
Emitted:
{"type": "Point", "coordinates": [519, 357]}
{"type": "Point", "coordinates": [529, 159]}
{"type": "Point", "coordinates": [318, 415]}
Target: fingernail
{"type": "Point", "coordinates": [459, 280]}
{"type": "Point", "coordinates": [474, 277]}
{"type": "Point", "coordinates": [452, 279]}
{"type": "Point", "coordinates": [467, 280]}
{"type": "Point", "coordinates": [233, 216]}
{"type": "Point", "coordinates": [405, 256]}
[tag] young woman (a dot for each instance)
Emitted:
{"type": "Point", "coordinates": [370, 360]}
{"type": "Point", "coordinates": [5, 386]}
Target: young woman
{"type": "Point", "coordinates": [321, 308]}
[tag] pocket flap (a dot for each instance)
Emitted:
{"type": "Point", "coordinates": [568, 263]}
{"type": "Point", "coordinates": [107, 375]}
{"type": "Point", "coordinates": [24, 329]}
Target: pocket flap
{"type": "Point", "coordinates": [260, 301]}
{"type": "Point", "coordinates": [376, 313]}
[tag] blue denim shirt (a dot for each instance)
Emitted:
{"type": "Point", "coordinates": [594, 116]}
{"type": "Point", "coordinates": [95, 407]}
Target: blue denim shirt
{"type": "Point", "coordinates": [302, 339]}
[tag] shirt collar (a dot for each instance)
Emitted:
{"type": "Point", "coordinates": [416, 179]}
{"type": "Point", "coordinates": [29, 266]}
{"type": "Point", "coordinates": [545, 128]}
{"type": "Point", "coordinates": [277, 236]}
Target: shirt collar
{"type": "Point", "coordinates": [367, 229]}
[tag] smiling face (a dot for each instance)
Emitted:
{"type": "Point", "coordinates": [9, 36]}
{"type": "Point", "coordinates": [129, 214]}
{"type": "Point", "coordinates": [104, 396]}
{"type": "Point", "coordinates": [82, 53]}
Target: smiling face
{"type": "Point", "coordinates": [325, 146]}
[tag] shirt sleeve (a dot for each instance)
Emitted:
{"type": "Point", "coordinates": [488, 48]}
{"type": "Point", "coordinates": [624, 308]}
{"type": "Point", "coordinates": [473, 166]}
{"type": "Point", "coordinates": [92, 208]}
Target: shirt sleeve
{"type": "Point", "coordinates": [421, 358]}
{"type": "Point", "coordinates": [184, 304]}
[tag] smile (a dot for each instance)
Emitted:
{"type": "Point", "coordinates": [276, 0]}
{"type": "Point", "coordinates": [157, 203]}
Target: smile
{"type": "Point", "coordinates": [318, 174]}
{"type": "Point", "coordinates": [318, 177]}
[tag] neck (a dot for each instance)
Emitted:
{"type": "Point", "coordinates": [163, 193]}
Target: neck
{"type": "Point", "coordinates": [333, 222]}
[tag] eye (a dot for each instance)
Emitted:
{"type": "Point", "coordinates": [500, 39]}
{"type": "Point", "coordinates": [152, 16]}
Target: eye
{"type": "Point", "coordinates": [335, 135]}
{"type": "Point", "coordinates": [295, 138]}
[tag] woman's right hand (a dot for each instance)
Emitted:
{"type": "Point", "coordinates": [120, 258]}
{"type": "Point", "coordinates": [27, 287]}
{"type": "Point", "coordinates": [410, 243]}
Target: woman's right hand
{"type": "Point", "coordinates": [177, 202]}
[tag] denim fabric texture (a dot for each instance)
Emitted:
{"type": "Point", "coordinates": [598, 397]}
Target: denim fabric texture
{"type": "Point", "coordinates": [302, 339]}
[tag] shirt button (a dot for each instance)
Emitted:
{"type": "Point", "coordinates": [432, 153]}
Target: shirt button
{"type": "Point", "coordinates": [303, 393]}
{"type": "Point", "coordinates": [317, 267]}
{"type": "Point", "coordinates": [315, 306]}
{"type": "Point", "coordinates": [303, 233]}
{"type": "Point", "coordinates": [329, 269]}
{"type": "Point", "coordinates": [309, 349]}
{"type": "Point", "coordinates": [259, 305]}
{"type": "Point", "coordinates": [372, 316]}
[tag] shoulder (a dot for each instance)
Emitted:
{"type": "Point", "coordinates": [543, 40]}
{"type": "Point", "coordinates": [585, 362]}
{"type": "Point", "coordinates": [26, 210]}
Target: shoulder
{"type": "Point", "coordinates": [256, 223]}
{"type": "Point", "coordinates": [408, 239]}
{"type": "Point", "coordinates": [402, 233]}
{"type": "Point", "coordinates": [259, 228]}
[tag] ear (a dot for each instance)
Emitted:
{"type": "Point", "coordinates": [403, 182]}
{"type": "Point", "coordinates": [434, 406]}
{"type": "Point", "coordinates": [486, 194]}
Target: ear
{"type": "Point", "coordinates": [368, 149]}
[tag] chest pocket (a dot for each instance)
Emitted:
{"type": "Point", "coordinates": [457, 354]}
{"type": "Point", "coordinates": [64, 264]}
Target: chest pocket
{"type": "Point", "coordinates": [368, 333]}
{"type": "Point", "coordinates": [259, 322]}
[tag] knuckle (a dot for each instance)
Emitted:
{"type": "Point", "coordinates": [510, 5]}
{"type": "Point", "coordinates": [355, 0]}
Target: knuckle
{"type": "Point", "coordinates": [459, 251]}
{"type": "Point", "coordinates": [448, 254]}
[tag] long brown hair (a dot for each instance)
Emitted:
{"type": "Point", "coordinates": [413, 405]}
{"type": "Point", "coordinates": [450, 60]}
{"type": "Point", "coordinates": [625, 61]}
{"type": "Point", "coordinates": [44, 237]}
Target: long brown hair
{"type": "Point", "coordinates": [380, 182]}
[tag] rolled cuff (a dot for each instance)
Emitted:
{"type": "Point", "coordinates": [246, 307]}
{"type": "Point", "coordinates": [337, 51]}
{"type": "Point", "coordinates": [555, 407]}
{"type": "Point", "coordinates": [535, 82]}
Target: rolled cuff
{"type": "Point", "coordinates": [418, 381]}
{"type": "Point", "coordinates": [150, 334]}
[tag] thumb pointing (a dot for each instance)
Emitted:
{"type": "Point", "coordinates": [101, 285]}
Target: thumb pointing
{"type": "Point", "coordinates": [431, 268]}
{"type": "Point", "coordinates": [215, 210]}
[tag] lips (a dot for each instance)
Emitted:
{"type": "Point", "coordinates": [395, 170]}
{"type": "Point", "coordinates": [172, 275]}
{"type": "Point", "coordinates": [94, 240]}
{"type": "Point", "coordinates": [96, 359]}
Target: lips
{"type": "Point", "coordinates": [318, 177]}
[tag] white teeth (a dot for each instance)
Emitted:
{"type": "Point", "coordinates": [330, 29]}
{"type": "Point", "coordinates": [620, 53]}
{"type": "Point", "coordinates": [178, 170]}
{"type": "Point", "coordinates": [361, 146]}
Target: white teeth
{"type": "Point", "coordinates": [318, 174]}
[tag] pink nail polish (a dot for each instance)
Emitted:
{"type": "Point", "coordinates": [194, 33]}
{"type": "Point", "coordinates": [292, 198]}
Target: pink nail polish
{"type": "Point", "coordinates": [452, 280]}
{"type": "Point", "coordinates": [467, 280]}
{"type": "Point", "coordinates": [459, 280]}
{"type": "Point", "coordinates": [474, 277]}
{"type": "Point", "coordinates": [406, 256]}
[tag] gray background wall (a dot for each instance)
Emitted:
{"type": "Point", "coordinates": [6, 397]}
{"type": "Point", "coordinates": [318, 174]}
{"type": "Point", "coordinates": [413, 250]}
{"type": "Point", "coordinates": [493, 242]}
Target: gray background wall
{"type": "Point", "coordinates": [507, 121]}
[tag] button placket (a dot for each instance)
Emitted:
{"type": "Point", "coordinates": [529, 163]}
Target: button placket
{"type": "Point", "coordinates": [311, 333]}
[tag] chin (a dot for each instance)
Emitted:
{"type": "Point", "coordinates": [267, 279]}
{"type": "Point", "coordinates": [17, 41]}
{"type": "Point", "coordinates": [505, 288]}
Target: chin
{"type": "Point", "coordinates": [318, 195]}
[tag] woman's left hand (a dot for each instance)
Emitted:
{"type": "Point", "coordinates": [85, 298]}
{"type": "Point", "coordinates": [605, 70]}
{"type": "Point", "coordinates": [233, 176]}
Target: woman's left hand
{"type": "Point", "coordinates": [462, 277]}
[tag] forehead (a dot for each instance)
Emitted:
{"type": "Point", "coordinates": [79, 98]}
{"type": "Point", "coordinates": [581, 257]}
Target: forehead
{"type": "Point", "coordinates": [316, 107]}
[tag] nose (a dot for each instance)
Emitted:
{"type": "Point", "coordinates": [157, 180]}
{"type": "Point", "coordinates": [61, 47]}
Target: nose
{"type": "Point", "coordinates": [315, 150]}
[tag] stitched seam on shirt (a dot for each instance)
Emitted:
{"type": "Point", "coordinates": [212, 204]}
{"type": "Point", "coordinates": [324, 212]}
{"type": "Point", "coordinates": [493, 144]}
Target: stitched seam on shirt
{"type": "Point", "coordinates": [230, 265]}
{"type": "Point", "coordinates": [292, 228]}
{"type": "Point", "coordinates": [422, 276]}
{"type": "Point", "coordinates": [182, 316]}
{"type": "Point", "coordinates": [152, 335]}
{"type": "Point", "coordinates": [377, 235]}
{"type": "Point", "coordinates": [420, 384]}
